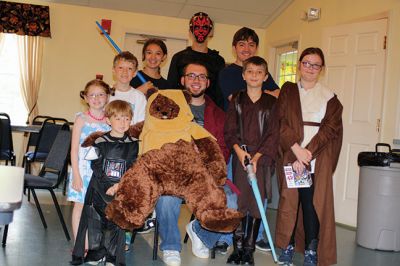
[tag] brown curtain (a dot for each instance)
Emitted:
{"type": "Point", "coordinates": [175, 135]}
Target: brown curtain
{"type": "Point", "coordinates": [24, 19]}
{"type": "Point", "coordinates": [30, 50]}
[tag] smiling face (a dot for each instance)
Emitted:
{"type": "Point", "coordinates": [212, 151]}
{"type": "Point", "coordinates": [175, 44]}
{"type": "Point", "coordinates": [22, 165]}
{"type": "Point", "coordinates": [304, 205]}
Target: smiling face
{"type": "Point", "coordinates": [124, 71]}
{"type": "Point", "coordinates": [154, 56]}
{"type": "Point", "coordinates": [245, 49]}
{"type": "Point", "coordinates": [254, 75]}
{"type": "Point", "coordinates": [195, 80]}
{"type": "Point", "coordinates": [310, 67]}
{"type": "Point", "coordinates": [96, 97]}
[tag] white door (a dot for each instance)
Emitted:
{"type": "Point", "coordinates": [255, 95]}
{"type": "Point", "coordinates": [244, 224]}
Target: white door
{"type": "Point", "coordinates": [134, 43]}
{"type": "Point", "coordinates": [355, 60]}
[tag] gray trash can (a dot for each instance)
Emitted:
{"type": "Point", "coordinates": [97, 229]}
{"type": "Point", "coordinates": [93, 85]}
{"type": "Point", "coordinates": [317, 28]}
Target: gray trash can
{"type": "Point", "coordinates": [378, 214]}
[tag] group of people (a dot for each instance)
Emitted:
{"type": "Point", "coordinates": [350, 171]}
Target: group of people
{"type": "Point", "coordinates": [241, 105]}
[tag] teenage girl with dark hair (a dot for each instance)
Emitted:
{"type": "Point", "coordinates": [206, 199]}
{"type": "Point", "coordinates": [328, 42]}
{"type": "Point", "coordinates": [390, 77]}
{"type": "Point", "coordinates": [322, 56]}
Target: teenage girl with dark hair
{"type": "Point", "coordinates": [154, 53]}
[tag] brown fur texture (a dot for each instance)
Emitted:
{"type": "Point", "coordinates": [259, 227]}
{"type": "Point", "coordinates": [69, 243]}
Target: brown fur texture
{"type": "Point", "coordinates": [175, 169]}
{"type": "Point", "coordinates": [91, 138]}
{"type": "Point", "coordinates": [164, 108]}
{"type": "Point", "coordinates": [193, 170]}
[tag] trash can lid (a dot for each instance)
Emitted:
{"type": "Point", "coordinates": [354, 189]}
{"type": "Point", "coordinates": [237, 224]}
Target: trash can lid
{"type": "Point", "coordinates": [378, 158]}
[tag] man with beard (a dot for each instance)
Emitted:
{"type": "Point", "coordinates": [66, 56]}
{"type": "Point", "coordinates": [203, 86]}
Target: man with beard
{"type": "Point", "coordinates": [200, 28]}
{"type": "Point", "coordinates": [195, 80]}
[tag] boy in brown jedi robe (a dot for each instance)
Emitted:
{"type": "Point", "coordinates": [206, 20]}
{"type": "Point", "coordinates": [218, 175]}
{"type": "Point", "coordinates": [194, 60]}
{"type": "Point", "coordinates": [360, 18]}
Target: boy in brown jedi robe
{"type": "Point", "coordinates": [251, 121]}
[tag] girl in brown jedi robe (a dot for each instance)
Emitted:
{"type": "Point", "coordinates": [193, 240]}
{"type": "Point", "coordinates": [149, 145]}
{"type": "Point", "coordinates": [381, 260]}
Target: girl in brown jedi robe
{"type": "Point", "coordinates": [251, 120]}
{"type": "Point", "coordinates": [310, 136]}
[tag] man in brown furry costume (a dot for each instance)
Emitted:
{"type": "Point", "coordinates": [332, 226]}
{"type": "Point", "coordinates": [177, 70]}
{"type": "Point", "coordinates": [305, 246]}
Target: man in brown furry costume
{"type": "Point", "coordinates": [178, 158]}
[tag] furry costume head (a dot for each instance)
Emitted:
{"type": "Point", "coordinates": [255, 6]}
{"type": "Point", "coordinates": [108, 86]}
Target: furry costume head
{"type": "Point", "coordinates": [168, 119]}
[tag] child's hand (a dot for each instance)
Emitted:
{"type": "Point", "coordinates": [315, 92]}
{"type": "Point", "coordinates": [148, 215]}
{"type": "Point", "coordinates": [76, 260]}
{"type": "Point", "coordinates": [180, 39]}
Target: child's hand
{"type": "Point", "coordinates": [303, 155]}
{"type": "Point", "coordinates": [112, 190]}
{"type": "Point", "coordinates": [145, 87]}
{"type": "Point", "coordinates": [298, 167]}
{"type": "Point", "coordinates": [77, 183]}
{"type": "Point", "coordinates": [254, 161]}
{"type": "Point", "coordinates": [241, 154]}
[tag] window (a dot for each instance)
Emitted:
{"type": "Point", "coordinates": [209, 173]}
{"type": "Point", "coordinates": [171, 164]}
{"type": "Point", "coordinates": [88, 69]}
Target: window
{"type": "Point", "coordinates": [287, 63]}
{"type": "Point", "coordinates": [10, 97]}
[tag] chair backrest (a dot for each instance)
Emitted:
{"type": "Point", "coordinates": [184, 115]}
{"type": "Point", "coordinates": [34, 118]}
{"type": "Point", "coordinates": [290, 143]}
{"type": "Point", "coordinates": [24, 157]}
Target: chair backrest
{"type": "Point", "coordinates": [48, 132]}
{"type": "Point", "coordinates": [6, 142]}
{"type": "Point", "coordinates": [55, 164]}
{"type": "Point", "coordinates": [33, 137]}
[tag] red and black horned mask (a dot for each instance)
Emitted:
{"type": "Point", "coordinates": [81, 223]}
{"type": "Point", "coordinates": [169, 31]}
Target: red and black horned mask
{"type": "Point", "coordinates": [200, 25]}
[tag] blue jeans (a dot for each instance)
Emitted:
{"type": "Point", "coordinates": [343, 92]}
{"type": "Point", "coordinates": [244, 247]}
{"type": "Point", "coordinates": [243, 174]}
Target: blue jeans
{"type": "Point", "coordinates": [210, 238]}
{"type": "Point", "coordinates": [168, 209]}
{"type": "Point", "coordinates": [261, 231]}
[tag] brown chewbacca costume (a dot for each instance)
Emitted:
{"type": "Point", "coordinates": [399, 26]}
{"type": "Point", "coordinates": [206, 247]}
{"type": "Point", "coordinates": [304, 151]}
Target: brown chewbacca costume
{"type": "Point", "coordinates": [179, 158]}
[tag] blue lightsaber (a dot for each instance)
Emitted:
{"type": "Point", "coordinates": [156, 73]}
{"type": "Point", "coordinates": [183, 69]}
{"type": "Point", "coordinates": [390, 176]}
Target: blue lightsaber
{"type": "Point", "coordinates": [251, 176]}
{"type": "Point", "coordinates": [140, 76]}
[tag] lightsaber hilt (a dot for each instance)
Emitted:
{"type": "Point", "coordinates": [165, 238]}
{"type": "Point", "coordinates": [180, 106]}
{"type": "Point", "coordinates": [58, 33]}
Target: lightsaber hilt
{"type": "Point", "coordinates": [249, 166]}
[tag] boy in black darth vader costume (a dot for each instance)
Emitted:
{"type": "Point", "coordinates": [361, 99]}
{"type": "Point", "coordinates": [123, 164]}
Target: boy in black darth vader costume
{"type": "Point", "coordinates": [112, 154]}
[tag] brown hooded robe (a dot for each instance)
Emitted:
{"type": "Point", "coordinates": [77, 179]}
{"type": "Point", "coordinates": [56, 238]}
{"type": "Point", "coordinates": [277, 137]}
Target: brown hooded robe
{"type": "Point", "coordinates": [325, 147]}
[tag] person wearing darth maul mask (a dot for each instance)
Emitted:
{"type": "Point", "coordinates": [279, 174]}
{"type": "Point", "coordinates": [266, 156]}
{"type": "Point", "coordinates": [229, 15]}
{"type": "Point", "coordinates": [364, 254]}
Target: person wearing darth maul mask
{"type": "Point", "coordinates": [200, 30]}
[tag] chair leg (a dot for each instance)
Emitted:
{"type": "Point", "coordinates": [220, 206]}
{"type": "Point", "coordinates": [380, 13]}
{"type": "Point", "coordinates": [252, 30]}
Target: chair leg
{"type": "Point", "coordinates": [133, 236]}
{"type": "Point", "coordinates": [65, 178]}
{"type": "Point", "coordinates": [155, 241]}
{"type": "Point", "coordinates": [60, 216]}
{"type": "Point", "coordinates": [5, 235]}
{"type": "Point", "coordinates": [38, 207]}
{"type": "Point", "coordinates": [186, 235]}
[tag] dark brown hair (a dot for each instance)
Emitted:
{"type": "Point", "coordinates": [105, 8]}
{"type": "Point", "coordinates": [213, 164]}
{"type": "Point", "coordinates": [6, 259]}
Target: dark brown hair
{"type": "Point", "coordinates": [197, 63]}
{"type": "Point", "coordinates": [313, 50]}
{"type": "Point", "coordinates": [155, 41]}
{"type": "Point", "coordinates": [95, 82]}
{"type": "Point", "coordinates": [244, 34]}
{"type": "Point", "coordinates": [257, 61]}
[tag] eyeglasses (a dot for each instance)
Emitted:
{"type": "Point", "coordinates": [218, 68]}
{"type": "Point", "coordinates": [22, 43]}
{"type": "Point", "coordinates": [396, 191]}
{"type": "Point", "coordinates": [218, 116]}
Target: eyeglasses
{"type": "Point", "coordinates": [307, 64]}
{"type": "Point", "coordinates": [193, 76]}
{"type": "Point", "coordinates": [94, 96]}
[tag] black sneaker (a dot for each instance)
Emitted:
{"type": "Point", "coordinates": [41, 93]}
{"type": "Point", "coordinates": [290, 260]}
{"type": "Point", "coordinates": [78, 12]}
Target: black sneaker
{"type": "Point", "coordinates": [263, 246]}
{"type": "Point", "coordinates": [221, 248]}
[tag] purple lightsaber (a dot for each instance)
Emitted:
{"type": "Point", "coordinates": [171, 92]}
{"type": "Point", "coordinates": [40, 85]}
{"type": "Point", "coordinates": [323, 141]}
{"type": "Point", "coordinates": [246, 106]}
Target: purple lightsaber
{"type": "Point", "coordinates": [140, 76]}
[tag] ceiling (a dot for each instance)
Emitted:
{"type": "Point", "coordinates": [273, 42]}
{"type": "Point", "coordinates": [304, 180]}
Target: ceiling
{"type": "Point", "coordinates": [251, 13]}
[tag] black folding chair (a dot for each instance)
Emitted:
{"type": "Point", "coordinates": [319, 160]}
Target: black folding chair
{"type": "Point", "coordinates": [6, 142]}
{"type": "Point", "coordinates": [44, 140]}
{"type": "Point", "coordinates": [33, 137]}
{"type": "Point", "coordinates": [52, 174]}
{"type": "Point", "coordinates": [155, 239]}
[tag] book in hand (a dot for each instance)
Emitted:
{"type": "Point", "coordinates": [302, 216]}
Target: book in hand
{"type": "Point", "coordinates": [297, 180]}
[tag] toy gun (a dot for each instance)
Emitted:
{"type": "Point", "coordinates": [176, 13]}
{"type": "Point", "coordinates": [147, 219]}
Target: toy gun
{"type": "Point", "coordinates": [252, 178]}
